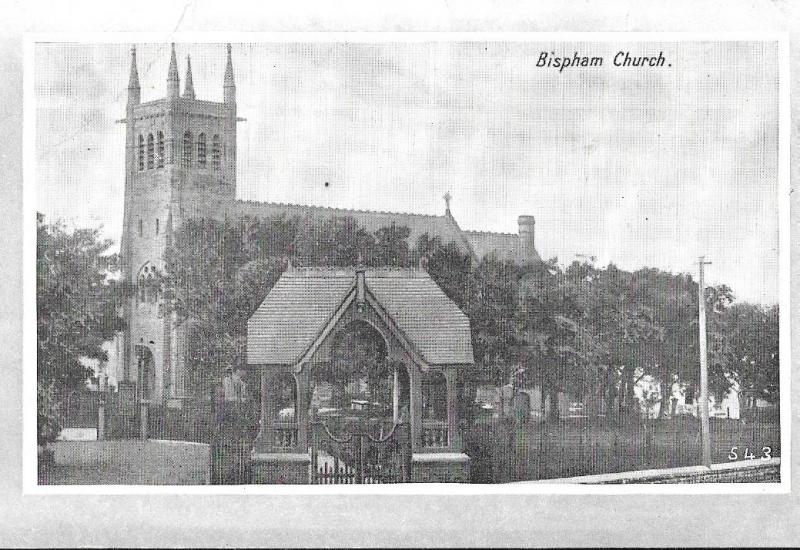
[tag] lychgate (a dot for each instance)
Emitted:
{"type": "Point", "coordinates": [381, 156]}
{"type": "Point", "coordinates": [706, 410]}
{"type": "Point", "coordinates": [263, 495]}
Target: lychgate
{"type": "Point", "coordinates": [359, 372]}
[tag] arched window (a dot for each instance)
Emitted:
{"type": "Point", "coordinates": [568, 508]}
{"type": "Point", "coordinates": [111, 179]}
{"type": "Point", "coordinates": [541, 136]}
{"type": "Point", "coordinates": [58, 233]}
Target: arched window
{"type": "Point", "coordinates": [141, 227]}
{"type": "Point", "coordinates": [141, 152]}
{"type": "Point", "coordinates": [187, 150]}
{"type": "Point", "coordinates": [150, 151]}
{"type": "Point", "coordinates": [201, 150]}
{"type": "Point", "coordinates": [160, 150]}
{"type": "Point", "coordinates": [216, 148]}
{"type": "Point", "coordinates": [152, 285]}
{"type": "Point", "coordinates": [142, 288]}
{"type": "Point", "coordinates": [157, 226]}
{"type": "Point", "coordinates": [148, 285]}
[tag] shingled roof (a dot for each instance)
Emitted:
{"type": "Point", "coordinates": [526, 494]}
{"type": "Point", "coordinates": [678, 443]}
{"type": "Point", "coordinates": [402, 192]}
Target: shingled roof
{"type": "Point", "coordinates": [305, 300]}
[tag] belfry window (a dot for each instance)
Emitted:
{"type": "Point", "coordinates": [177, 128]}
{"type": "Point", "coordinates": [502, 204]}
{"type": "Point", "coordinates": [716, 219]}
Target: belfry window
{"type": "Point", "coordinates": [160, 150]}
{"type": "Point", "coordinates": [150, 151]}
{"type": "Point", "coordinates": [148, 285]}
{"type": "Point", "coordinates": [157, 226]}
{"type": "Point", "coordinates": [141, 152]}
{"type": "Point", "coordinates": [201, 150]}
{"type": "Point", "coordinates": [187, 150]}
{"type": "Point", "coordinates": [216, 148]}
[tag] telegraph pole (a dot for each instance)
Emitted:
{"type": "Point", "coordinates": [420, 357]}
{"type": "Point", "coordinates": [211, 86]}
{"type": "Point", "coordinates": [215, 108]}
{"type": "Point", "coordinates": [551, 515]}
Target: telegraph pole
{"type": "Point", "coordinates": [703, 409]}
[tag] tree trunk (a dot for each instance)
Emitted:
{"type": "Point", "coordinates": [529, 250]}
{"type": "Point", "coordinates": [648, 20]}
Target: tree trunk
{"type": "Point", "coordinates": [554, 412]}
{"type": "Point", "coordinates": [610, 396]}
{"type": "Point", "coordinates": [467, 401]}
{"type": "Point", "coordinates": [665, 396]}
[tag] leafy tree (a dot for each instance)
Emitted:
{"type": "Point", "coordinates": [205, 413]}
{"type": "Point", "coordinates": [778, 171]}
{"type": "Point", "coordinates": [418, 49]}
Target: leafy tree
{"type": "Point", "coordinates": [584, 330]}
{"type": "Point", "coordinates": [219, 272]}
{"type": "Point", "coordinates": [333, 242]}
{"type": "Point", "coordinates": [77, 309]}
{"type": "Point", "coordinates": [752, 338]}
{"type": "Point", "coordinates": [391, 246]}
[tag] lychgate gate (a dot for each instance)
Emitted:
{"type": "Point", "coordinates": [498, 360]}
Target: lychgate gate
{"type": "Point", "coordinates": [359, 457]}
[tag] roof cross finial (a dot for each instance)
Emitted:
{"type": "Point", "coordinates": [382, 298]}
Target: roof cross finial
{"type": "Point", "coordinates": [447, 197]}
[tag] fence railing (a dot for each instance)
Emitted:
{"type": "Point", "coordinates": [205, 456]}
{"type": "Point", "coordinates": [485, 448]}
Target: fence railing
{"type": "Point", "coordinates": [434, 433]}
{"type": "Point", "coordinates": [502, 451]}
{"type": "Point", "coordinates": [285, 435]}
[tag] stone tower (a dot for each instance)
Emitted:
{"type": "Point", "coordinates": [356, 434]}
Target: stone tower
{"type": "Point", "coordinates": [180, 155]}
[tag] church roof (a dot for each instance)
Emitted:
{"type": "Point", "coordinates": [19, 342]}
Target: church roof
{"type": "Point", "coordinates": [303, 302]}
{"type": "Point", "coordinates": [502, 245]}
{"type": "Point", "coordinates": [372, 220]}
{"type": "Point", "coordinates": [476, 243]}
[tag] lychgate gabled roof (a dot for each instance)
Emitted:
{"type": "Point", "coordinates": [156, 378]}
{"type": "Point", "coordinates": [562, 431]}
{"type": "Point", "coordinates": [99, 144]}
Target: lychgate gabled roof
{"type": "Point", "coordinates": [305, 301]}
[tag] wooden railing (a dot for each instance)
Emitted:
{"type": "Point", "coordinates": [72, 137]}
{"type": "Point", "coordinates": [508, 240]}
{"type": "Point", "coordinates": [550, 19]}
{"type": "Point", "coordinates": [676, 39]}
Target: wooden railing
{"type": "Point", "coordinates": [434, 433]}
{"type": "Point", "coordinates": [284, 435]}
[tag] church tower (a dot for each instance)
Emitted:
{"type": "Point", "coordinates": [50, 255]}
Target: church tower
{"type": "Point", "coordinates": [180, 159]}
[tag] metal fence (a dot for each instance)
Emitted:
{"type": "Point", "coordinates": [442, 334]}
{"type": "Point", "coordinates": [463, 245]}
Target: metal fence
{"type": "Point", "coordinates": [503, 451]}
{"type": "Point", "coordinates": [229, 428]}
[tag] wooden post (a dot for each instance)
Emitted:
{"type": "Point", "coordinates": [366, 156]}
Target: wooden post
{"type": "Point", "coordinates": [101, 419]}
{"type": "Point", "coordinates": [415, 384]}
{"type": "Point", "coordinates": [143, 418]}
{"type": "Point", "coordinates": [396, 396]}
{"type": "Point", "coordinates": [263, 439]}
{"type": "Point", "coordinates": [301, 406]}
{"type": "Point", "coordinates": [453, 436]}
{"type": "Point", "coordinates": [703, 408]}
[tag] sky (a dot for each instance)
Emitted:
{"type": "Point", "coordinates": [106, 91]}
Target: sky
{"type": "Point", "coordinates": [649, 166]}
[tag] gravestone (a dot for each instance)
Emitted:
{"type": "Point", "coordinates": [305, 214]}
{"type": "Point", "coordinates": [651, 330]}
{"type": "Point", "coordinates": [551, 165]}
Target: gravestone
{"type": "Point", "coordinates": [521, 407]}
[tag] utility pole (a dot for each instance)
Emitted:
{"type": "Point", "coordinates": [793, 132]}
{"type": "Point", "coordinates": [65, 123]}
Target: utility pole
{"type": "Point", "coordinates": [703, 409]}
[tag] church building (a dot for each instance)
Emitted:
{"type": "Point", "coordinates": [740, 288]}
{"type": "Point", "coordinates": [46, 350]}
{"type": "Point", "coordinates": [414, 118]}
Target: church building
{"type": "Point", "coordinates": [180, 163]}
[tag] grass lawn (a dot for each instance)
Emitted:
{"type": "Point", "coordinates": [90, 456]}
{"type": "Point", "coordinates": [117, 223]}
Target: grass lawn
{"type": "Point", "coordinates": [126, 462]}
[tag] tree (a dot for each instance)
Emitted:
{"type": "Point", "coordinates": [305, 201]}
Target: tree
{"type": "Point", "coordinates": [752, 338]}
{"type": "Point", "coordinates": [219, 272]}
{"type": "Point", "coordinates": [552, 326]}
{"type": "Point", "coordinates": [391, 246]}
{"type": "Point", "coordinates": [77, 309]}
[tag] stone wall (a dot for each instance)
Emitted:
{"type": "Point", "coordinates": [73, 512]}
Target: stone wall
{"type": "Point", "coordinates": [281, 468]}
{"type": "Point", "coordinates": [440, 468]}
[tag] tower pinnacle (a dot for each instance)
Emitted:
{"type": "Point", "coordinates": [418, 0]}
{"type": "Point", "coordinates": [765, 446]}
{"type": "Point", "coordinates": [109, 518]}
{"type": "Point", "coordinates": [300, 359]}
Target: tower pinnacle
{"type": "Point", "coordinates": [188, 86]}
{"type": "Point", "coordinates": [173, 81]}
{"type": "Point", "coordinates": [134, 90]}
{"type": "Point", "coordinates": [229, 86]}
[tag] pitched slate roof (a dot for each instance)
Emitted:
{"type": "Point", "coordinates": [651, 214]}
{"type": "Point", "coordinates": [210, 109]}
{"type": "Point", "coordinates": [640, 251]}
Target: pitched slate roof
{"type": "Point", "coordinates": [479, 243]}
{"type": "Point", "coordinates": [304, 300]}
{"type": "Point", "coordinates": [419, 224]}
{"type": "Point", "coordinates": [502, 245]}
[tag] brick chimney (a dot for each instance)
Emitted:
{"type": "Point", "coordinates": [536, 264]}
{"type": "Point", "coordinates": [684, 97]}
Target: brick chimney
{"type": "Point", "coordinates": [526, 252]}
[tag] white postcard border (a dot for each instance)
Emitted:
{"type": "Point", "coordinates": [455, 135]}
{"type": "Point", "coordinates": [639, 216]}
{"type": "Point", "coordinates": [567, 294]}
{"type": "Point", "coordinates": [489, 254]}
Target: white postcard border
{"type": "Point", "coordinates": [29, 452]}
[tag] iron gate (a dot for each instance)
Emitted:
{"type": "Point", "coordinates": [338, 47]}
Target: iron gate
{"type": "Point", "coordinates": [358, 456]}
